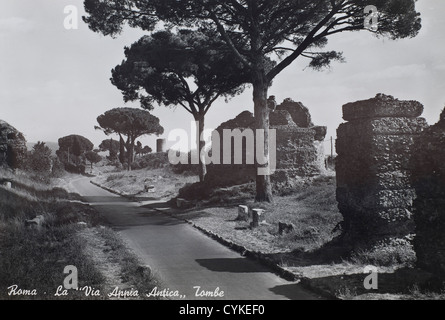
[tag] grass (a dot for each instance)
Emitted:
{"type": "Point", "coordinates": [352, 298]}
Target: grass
{"type": "Point", "coordinates": [34, 258]}
{"type": "Point", "coordinates": [139, 182]}
{"type": "Point", "coordinates": [312, 209]}
{"type": "Point", "coordinates": [139, 277]}
{"type": "Point", "coordinates": [308, 250]}
{"type": "Point", "coordinates": [393, 252]}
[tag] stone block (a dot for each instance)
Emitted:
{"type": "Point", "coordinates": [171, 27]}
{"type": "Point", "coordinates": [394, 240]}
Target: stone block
{"type": "Point", "coordinates": [382, 106]}
{"type": "Point", "coordinates": [243, 213]}
{"type": "Point", "coordinates": [36, 223]}
{"type": "Point", "coordinates": [375, 148]}
{"type": "Point", "coordinates": [382, 126]}
{"type": "Point", "coordinates": [182, 203]}
{"type": "Point", "coordinates": [258, 217]}
{"type": "Point", "coordinates": [284, 227]}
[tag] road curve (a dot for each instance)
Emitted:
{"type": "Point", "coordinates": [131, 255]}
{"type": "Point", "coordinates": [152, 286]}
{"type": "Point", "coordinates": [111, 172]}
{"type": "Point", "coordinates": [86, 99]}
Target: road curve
{"type": "Point", "coordinates": [184, 258]}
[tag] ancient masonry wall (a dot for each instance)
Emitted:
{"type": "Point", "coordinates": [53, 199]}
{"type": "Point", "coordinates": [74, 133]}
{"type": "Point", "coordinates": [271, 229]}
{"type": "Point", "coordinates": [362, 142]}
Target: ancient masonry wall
{"type": "Point", "coordinates": [374, 190]}
{"type": "Point", "coordinates": [298, 153]}
{"type": "Point", "coordinates": [12, 146]}
{"type": "Point", "coordinates": [428, 175]}
{"type": "Point", "coordinates": [299, 148]}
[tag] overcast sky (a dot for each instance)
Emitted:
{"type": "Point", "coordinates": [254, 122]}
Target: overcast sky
{"type": "Point", "coordinates": [55, 82]}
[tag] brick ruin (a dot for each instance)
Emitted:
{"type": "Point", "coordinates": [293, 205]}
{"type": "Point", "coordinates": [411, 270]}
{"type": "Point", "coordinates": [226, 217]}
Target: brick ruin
{"type": "Point", "coordinates": [12, 146]}
{"type": "Point", "coordinates": [299, 150]}
{"type": "Point", "coordinates": [374, 190]}
{"type": "Point", "coordinates": [428, 174]}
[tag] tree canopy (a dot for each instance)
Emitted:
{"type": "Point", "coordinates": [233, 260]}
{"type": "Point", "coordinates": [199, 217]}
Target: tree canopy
{"type": "Point", "coordinates": [93, 157]}
{"type": "Point", "coordinates": [299, 24]}
{"type": "Point", "coordinates": [187, 68]}
{"type": "Point", "coordinates": [75, 144]}
{"type": "Point", "coordinates": [258, 30]}
{"type": "Point", "coordinates": [40, 158]}
{"type": "Point", "coordinates": [112, 146]}
{"type": "Point", "coordinates": [109, 145]}
{"type": "Point", "coordinates": [130, 122]}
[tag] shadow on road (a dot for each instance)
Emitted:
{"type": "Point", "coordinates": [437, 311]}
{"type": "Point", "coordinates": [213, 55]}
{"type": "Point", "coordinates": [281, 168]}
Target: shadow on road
{"type": "Point", "coordinates": [293, 291]}
{"type": "Point", "coordinates": [157, 205]}
{"type": "Point", "coordinates": [235, 265]}
{"type": "Point", "coordinates": [104, 199]}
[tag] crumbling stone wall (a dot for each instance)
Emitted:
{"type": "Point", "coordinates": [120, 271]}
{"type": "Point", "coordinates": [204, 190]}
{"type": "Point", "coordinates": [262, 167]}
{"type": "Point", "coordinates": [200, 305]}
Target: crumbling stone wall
{"type": "Point", "coordinates": [299, 149]}
{"type": "Point", "coordinates": [374, 148]}
{"type": "Point", "coordinates": [428, 175]}
{"type": "Point", "coordinates": [12, 146]}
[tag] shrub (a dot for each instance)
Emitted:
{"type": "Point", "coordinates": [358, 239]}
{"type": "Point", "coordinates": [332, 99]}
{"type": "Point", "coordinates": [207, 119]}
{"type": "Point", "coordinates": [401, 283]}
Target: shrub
{"type": "Point", "coordinates": [151, 161]}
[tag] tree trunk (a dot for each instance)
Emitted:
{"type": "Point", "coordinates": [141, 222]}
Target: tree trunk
{"type": "Point", "coordinates": [130, 152]}
{"type": "Point", "coordinates": [200, 145]}
{"type": "Point", "coordinates": [260, 85]}
{"type": "Point", "coordinates": [260, 88]}
{"type": "Point", "coordinates": [122, 153]}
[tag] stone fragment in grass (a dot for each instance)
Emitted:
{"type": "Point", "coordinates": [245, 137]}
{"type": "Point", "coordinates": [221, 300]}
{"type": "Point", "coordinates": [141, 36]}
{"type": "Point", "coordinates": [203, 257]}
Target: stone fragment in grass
{"type": "Point", "coordinates": [258, 217]}
{"type": "Point", "coordinates": [243, 213]}
{"type": "Point", "coordinates": [183, 204]}
{"type": "Point", "coordinates": [36, 222]}
{"type": "Point", "coordinates": [284, 227]}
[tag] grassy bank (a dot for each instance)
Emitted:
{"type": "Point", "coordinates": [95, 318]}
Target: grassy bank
{"type": "Point", "coordinates": [160, 183]}
{"type": "Point", "coordinates": [33, 258]}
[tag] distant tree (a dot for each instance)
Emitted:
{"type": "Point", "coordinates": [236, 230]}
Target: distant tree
{"type": "Point", "coordinates": [131, 123]}
{"type": "Point", "coordinates": [122, 152]}
{"type": "Point", "coordinates": [92, 157]}
{"type": "Point", "coordinates": [75, 145]}
{"type": "Point", "coordinates": [139, 150]}
{"type": "Point", "coordinates": [187, 68]}
{"type": "Point", "coordinates": [146, 150]}
{"type": "Point", "coordinates": [112, 146]}
{"type": "Point", "coordinates": [72, 151]}
{"type": "Point", "coordinates": [258, 30]}
{"type": "Point", "coordinates": [39, 159]}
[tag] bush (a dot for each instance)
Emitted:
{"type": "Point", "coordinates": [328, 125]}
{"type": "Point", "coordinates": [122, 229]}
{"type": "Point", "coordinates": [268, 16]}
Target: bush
{"type": "Point", "coordinates": [387, 253]}
{"type": "Point", "coordinates": [151, 161]}
{"type": "Point", "coordinates": [77, 169]}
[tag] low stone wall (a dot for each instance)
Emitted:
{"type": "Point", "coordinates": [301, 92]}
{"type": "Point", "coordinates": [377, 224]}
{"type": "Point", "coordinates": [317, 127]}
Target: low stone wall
{"type": "Point", "coordinates": [374, 148]}
{"type": "Point", "coordinates": [428, 174]}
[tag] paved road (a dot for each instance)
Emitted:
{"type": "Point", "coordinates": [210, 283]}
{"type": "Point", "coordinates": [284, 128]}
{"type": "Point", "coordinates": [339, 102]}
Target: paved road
{"type": "Point", "coordinates": [184, 258]}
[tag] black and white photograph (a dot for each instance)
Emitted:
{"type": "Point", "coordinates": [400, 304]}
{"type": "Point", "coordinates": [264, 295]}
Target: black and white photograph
{"type": "Point", "coordinates": [210, 157]}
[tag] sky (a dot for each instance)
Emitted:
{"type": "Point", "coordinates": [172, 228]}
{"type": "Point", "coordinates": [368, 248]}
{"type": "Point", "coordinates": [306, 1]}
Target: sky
{"type": "Point", "coordinates": [55, 82]}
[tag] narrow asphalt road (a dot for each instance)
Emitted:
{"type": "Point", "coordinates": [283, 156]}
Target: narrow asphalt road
{"type": "Point", "coordinates": [184, 258]}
